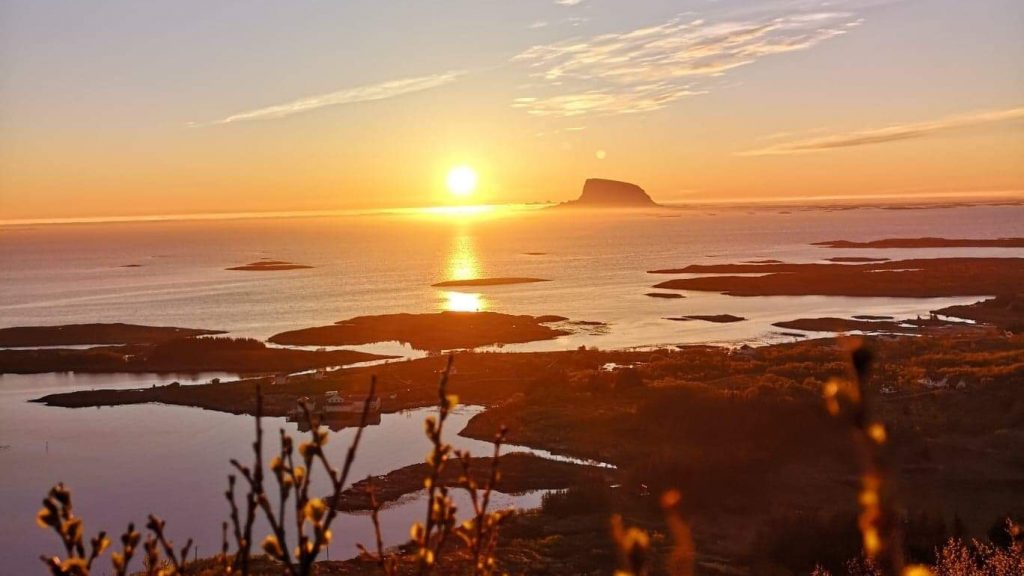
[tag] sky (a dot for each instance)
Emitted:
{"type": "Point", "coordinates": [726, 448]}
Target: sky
{"type": "Point", "coordinates": [122, 108]}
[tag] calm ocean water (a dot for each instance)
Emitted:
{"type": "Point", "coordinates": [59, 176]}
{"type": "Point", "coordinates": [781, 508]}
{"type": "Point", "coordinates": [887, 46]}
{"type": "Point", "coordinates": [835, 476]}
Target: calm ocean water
{"type": "Point", "coordinates": [172, 460]}
{"type": "Point", "coordinates": [386, 263]}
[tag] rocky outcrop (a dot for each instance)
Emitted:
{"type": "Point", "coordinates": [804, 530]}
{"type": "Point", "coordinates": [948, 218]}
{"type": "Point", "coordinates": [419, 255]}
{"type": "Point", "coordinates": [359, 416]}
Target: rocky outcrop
{"type": "Point", "coordinates": [601, 193]}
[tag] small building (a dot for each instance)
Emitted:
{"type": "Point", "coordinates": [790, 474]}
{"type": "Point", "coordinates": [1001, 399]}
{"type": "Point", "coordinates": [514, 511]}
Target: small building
{"type": "Point", "coordinates": [280, 379]}
{"type": "Point", "coordinates": [335, 403]}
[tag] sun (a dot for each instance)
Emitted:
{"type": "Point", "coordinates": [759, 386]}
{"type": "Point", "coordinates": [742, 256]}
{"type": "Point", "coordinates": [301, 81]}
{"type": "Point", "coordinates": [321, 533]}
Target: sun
{"type": "Point", "coordinates": [462, 181]}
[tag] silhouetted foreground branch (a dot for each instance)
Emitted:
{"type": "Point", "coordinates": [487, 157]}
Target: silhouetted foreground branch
{"type": "Point", "coordinates": [295, 515]}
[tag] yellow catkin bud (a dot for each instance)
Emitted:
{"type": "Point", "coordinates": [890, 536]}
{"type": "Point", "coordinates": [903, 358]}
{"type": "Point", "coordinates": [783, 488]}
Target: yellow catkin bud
{"type": "Point", "coordinates": [670, 499]}
{"type": "Point", "coordinates": [877, 433]}
{"type": "Point", "coordinates": [872, 543]}
{"type": "Point", "coordinates": [416, 531]}
{"type": "Point", "coordinates": [272, 547]}
{"type": "Point", "coordinates": [315, 509]}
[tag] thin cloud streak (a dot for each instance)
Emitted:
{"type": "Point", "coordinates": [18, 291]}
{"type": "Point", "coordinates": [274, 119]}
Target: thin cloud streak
{"type": "Point", "coordinates": [649, 68]}
{"type": "Point", "coordinates": [356, 94]}
{"type": "Point", "coordinates": [887, 134]}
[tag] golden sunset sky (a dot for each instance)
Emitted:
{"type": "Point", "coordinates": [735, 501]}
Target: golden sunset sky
{"type": "Point", "coordinates": [119, 108]}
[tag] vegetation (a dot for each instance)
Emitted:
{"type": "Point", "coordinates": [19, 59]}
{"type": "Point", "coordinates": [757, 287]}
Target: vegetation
{"type": "Point", "coordinates": [741, 435]}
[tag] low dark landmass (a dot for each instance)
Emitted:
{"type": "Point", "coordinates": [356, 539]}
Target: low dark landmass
{"type": "Point", "coordinates": [718, 318]}
{"type": "Point", "coordinates": [269, 266]}
{"type": "Point", "coordinates": [770, 261]}
{"type": "Point", "coordinates": [872, 317]}
{"type": "Point", "coordinates": [793, 334]}
{"type": "Point", "coordinates": [602, 193]}
{"type": "Point", "coordinates": [488, 282]}
{"type": "Point", "coordinates": [844, 325]}
{"type": "Point", "coordinates": [882, 326]}
{"type": "Point", "coordinates": [665, 295]}
{"type": "Point", "coordinates": [742, 434]}
{"type": "Point", "coordinates": [927, 243]}
{"type": "Point", "coordinates": [550, 318]}
{"type": "Point", "coordinates": [241, 356]}
{"type": "Point", "coordinates": [1006, 312]}
{"type": "Point", "coordinates": [917, 278]}
{"type": "Point", "coordinates": [84, 334]}
{"type": "Point", "coordinates": [401, 385]}
{"type": "Point", "coordinates": [758, 460]}
{"type": "Point", "coordinates": [535, 253]}
{"type": "Point", "coordinates": [856, 259]}
{"type": "Point", "coordinates": [520, 472]}
{"type": "Point", "coordinates": [130, 266]}
{"type": "Point", "coordinates": [437, 331]}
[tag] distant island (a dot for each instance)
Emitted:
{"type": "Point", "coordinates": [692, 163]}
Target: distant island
{"type": "Point", "coordinates": [927, 243]}
{"type": "Point", "coordinates": [602, 193]}
{"type": "Point", "coordinates": [269, 266]}
{"type": "Point", "coordinates": [716, 318]}
{"type": "Point", "coordinates": [429, 331]}
{"type": "Point", "coordinates": [487, 282]}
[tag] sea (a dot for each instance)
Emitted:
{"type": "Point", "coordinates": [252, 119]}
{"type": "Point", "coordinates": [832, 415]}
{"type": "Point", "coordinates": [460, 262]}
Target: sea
{"type": "Point", "coordinates": [125, 462]}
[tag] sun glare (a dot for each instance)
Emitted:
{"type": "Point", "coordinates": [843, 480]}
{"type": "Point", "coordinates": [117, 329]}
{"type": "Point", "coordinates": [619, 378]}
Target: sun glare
{"type": "Point", "coordinates": [462, 181]}
{"type": "Point", "coordinates": [463, 302]}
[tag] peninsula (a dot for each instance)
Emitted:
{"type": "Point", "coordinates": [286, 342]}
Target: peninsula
{"type": "Point", "coordinates": [916, 278]}
{"type": "Point", "coordinates": [86, 334]}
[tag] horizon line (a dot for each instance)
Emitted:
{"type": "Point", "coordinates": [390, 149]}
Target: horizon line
{"type": "Point", "coordinates": [897, 198]}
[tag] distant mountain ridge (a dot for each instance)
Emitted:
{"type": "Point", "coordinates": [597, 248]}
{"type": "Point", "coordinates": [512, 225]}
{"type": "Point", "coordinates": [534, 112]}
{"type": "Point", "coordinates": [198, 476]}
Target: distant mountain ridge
{"type": "Point", "coordinates": [603, 193]}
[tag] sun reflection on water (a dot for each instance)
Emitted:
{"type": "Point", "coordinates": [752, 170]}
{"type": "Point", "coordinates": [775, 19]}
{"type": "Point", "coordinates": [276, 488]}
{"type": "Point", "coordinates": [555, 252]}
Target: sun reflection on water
{"type": "Point", "coordinates": [462, 263]}
{"type": "Point", "coordinates": [464, 302]}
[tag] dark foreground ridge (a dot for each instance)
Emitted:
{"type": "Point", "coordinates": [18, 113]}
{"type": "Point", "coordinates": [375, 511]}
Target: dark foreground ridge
{"type": "Point", "coordinates": [84, 334]}
{"type": "Point", "coordinates": [601, 193]}
{"type": "Point", "coordinates": [742, 434]}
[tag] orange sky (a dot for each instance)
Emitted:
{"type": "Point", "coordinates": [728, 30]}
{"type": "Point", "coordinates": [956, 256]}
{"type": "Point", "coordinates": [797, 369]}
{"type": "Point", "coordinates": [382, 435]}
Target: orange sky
{"type": "Point", "coordinates": [127, 109]}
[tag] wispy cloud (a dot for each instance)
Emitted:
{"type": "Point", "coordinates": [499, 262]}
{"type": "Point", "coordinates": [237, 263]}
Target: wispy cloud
{"type": "Point", "coordinates": [365, 93]}
{"type": "Point", "coordinates": [649, 68]}
{"type": "Point", "coordinates": [894, 133]}
{"type": "Point", "coordinates": [569, 2]}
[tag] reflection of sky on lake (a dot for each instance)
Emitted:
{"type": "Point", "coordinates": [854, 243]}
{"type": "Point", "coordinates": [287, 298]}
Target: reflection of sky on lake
{"type": "Point", "coordinates": [127, 461]}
